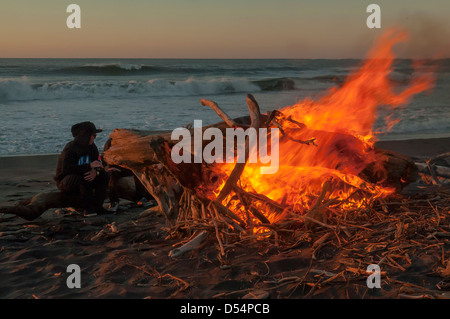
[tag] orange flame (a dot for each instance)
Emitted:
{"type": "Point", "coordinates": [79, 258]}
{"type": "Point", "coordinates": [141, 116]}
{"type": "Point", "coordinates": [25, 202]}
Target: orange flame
{"type": "Point", "coordinates": [342, 123]}
{"type": "Point", "coordinates": [352, 108]}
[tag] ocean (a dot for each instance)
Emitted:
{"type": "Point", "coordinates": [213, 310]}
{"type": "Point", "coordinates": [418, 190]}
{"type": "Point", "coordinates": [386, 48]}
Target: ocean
{"type": "Point", "coordinates": [40, 99]}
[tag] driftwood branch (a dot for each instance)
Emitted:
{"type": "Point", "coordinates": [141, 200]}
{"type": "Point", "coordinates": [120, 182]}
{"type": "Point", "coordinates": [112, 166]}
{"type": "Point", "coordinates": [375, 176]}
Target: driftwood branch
{"type": "Point", "coordinates": [439, 170]}
{"type": "Point", "coordinates": [224, 116]}
{"type": "Point", "coordinates": [237, 171]}
{"type": "Point", "coordinates": [189, 246]}
{"type": "Point", "coordinates": [432, 167]}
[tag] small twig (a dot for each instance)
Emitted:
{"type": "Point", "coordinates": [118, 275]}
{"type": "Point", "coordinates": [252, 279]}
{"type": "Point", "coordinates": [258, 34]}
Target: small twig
{"type": "Point", "coordinates": [437, 214]}
{"type": "Point", "coordinates": [219, 240]}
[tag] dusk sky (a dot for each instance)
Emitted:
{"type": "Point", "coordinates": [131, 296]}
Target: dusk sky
{"type": "Point", "coordinates": [218, 29]}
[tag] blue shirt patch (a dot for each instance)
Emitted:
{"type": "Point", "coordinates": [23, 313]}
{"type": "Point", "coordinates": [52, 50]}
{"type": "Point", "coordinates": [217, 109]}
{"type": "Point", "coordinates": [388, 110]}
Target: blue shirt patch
{"type": "Point", "coordinates": [83, 160]}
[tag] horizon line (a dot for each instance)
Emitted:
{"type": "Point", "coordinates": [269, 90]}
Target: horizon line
{"type": "Point", "coordinates": [134, 58]}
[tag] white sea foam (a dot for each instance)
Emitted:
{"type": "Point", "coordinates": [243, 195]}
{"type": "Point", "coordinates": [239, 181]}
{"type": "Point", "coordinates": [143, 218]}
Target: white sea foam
{"type": "Point", "coordinates": [37, 111]}
{"type": "Point", "coordinates": [124, 66]}
{"type": "Point", "coordinates": [23, 90]}
{"type": "Point", "coordinates": [18, 89]}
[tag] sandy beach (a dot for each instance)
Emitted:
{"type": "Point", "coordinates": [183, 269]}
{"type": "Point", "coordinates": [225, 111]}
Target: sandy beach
{"type": "Point", "coordinates": [133, 261]}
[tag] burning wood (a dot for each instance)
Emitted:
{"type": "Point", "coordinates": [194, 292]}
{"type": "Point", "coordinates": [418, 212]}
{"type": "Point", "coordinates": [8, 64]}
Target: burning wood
{"type": "Point", "coordinates": [203, 193]}
{"type": "Point", "coordinates": [328, 165]}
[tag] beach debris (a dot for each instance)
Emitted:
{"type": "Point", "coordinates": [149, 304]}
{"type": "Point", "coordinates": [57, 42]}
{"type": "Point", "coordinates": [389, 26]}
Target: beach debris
{"type": "Point", "coordinates": [257, 294]}
{"type": "Point", "coordinates": [189, 246]}
{"type": "Point", "coordinates": [169, 278]}
{"type": "Point", "coordinates": [101, 233]}
{"type": "Point", "coordinates": [114, 228]}
{"type": "Point", "coordinates": [108, 231]}
{"type": "Point", "coordinates": [433, 168]}
{"type": "Point", "coordinates": [150, 212]}
{"type": "Point", "coordinates": [445, 272]}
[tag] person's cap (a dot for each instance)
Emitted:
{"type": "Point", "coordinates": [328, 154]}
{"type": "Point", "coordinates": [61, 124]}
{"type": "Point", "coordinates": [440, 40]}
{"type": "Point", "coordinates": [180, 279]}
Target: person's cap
{"type": "Point", "coordinates": [84, 127]}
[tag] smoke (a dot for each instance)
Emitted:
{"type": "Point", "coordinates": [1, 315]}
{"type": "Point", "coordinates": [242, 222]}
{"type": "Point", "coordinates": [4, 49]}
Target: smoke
{"type": "Point", "coordinates": [428, 36]}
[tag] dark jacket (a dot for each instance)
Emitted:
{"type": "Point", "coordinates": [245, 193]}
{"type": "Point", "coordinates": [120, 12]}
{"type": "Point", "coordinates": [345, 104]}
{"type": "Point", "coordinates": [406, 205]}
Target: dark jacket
{"type": "Point", "coordinates": [77, 155]}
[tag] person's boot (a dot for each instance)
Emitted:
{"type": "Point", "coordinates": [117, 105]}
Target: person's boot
{"type": "Point", "coordinates": [113, 207]}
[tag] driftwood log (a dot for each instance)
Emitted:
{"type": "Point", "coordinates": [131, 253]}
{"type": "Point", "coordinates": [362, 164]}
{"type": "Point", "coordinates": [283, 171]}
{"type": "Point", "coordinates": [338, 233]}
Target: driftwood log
{"type": "Point", "coordinates": [32, 208]}
{"type": "Point", "coordinates": [441, 171]}
{"type": "Point", "coordinates": [434, 168]}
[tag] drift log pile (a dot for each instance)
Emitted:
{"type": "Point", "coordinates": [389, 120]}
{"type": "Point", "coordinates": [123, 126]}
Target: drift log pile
{"type": "Point", "coordinates": [181, 190]}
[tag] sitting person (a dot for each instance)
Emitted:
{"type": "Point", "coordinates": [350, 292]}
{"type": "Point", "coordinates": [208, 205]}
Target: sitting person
{"type": "Point", "coordinates": [80, 171]}
{"type": "Point", "coordinates": [116, 172]}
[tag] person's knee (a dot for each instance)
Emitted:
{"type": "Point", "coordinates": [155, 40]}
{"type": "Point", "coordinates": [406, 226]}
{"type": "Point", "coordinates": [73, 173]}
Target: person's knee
{"type": "Point", "coordinates": [69, 183]}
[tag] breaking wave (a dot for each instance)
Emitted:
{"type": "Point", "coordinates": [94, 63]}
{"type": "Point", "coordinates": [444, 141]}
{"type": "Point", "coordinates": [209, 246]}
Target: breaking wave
{"type": "Point", "coordinates": [117, 69]}
{"type": "Point", "coordinates": [22, 90]}
{"type": "Point", "coordinates": [108, 69]}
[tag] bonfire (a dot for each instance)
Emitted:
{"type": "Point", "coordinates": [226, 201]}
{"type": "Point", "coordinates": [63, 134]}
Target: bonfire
{"type": "Point", "coordinates": [328, 166]}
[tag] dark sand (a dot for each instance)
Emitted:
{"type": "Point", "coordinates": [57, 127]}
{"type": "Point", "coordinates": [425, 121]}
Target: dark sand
{"type": "Point", "coordinates": [23, 176]}
{"type": "Point", "coordinates": [419, 148]}
{"type": "Point", "coordinates": [134, 262]}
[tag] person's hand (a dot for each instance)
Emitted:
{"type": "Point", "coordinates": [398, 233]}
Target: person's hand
{"type": "Point", "coordinates": [113, 169]}
{"type": "Point", "coordinates": [96, 164]}
{"type": "Point", "coordinates": [91, 175]}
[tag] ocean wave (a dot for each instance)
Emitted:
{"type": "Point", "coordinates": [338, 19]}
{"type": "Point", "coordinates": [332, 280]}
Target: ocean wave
{"type": "Point", "coordinates": [23, 90]}
{"type": "Point", "coordinates": [417, 125]}
{"type": "Point", "coordinates": [117, 69]}
{"type": "Point", "coordinates": [15, 89]}
{"type": "Point", "coordinates": [112, 69]}
{"type": "Point", "coordinates": [277, 84]}
{"type": "Point", "coordinates": [107, 69]}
